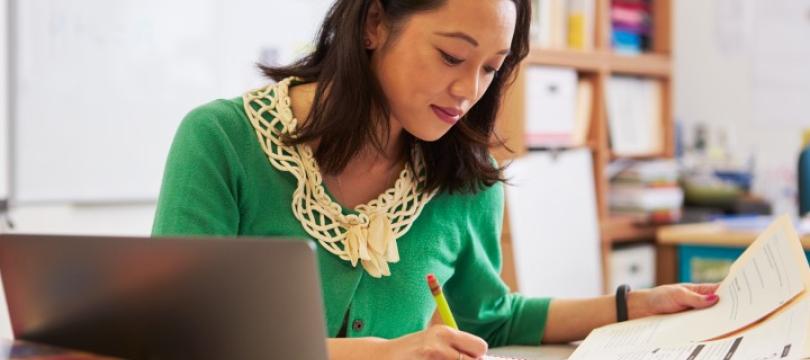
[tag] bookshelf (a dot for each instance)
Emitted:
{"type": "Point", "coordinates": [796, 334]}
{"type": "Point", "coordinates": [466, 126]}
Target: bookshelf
{"type": "Point", "coordinates": [597, 66]}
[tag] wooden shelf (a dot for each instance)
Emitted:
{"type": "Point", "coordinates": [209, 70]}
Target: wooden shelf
{"type": "Point", "coordinates": [618, 229]}
{"type": "Point", "coordinates": [590, 145]}
{"type": "Point", "coordinates": [715, 234]}
{"type": "Point", "coordinates": [584, 61]}
{"type": "Point", "coordinates": [655, 65]}
{"type": "Point", "coordinates": [652, 156]}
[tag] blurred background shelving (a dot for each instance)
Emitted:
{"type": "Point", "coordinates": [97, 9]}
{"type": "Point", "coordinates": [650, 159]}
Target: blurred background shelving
{"type": "Point", "coordinates": [597, 64]}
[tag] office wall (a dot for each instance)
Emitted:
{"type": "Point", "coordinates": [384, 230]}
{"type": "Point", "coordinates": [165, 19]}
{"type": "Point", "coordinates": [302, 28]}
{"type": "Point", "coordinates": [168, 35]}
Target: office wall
{"type": "Point", "coordinates": [80, 189]}
{"type": "Point", "coordinates": [100, 86]}
{"type": "Point", "coordinates": [5, 322]}
{"type": "Point", "coordinates": [4, 125]}
{"type": "Point", "coordinates": [724, 52]}
{"type": "Point", "coordinates": [89, 219]}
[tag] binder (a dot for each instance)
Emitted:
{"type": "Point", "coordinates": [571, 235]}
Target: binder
{"type": "Point", "coordinates": [550, 106]}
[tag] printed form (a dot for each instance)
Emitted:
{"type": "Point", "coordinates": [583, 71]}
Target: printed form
{"type": "Point", "coordinates": [782, 337]}
{"type": "Point", "coordinates": [765, 289]}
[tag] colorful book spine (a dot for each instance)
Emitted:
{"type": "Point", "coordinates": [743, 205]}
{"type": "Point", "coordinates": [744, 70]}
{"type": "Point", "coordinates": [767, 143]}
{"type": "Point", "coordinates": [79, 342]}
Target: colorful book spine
{"type": "Point", "coordinates": [631, 26]}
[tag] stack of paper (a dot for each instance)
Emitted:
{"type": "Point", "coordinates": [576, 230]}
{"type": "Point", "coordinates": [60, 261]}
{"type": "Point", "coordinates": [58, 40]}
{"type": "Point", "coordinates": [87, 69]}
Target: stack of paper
{"type": "Point", "coordinates": [648, 190]}
{"type": "Point", "coordinates": [763, 313]}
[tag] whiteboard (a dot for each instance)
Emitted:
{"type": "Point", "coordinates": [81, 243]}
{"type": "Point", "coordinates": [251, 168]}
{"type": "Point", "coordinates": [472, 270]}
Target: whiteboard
{"type": "Point", "coordinates": [102, 85]}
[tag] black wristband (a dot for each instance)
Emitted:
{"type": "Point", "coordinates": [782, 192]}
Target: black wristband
{"type": "Point", "coordinates": [621, 302]}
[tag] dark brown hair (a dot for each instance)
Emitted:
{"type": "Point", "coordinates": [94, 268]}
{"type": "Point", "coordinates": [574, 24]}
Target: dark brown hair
{"type": "Point", "coordinates": [341, 119]}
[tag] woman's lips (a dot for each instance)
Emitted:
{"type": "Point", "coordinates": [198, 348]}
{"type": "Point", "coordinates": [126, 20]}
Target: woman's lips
{"type": "Point", "coordinates": [448, 115]}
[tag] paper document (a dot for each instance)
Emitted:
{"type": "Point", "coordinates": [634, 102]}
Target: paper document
{"type": "Point", "coordinates": [763, 305]}
{"type": "Point", "coordinates": [782, 337]}
{"type": "Point", "coordinates": [766, 276]}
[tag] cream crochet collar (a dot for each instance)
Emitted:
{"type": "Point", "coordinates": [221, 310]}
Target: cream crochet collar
{"type": "Point", "coordinates": [369, 236]}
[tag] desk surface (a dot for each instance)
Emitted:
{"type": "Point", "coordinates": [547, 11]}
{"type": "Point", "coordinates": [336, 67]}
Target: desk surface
{"type": "Point", "coordinates": [20, 350]}
{"type": "Point", "coordinates": [712, 234]}
{"type": "Point", "coordinates": [544, 352]}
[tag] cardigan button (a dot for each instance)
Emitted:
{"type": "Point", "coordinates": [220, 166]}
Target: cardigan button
{"type": "Point", "coordinates": [357, 325]}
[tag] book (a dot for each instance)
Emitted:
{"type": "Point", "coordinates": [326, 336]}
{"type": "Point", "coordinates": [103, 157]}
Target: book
{"type": "Point", "coordinates": [631, 26]}
{"type": "Point", "coordinates": [583, 112]}
{"type": "Point", "coordinates": [561, 24]}
{"type": "Point", "coordinates": [581, 24]}
{"type": "Point", "coordinates": [549, 24]}
{"type": "Point", "coordinates": [763, 312]}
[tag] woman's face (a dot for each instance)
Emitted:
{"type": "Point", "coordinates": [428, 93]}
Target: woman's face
{"type": "Point", "coordinates": [440, 62]}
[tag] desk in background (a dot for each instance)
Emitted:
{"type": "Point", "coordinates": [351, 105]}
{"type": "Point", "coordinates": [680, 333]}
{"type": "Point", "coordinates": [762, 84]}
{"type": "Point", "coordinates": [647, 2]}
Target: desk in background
{"type": "Point", "coordinates": [702, 252]}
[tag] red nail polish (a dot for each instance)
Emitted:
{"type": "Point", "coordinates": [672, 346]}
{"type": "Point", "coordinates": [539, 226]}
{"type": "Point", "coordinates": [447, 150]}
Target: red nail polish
{"type": "Point", "coordinates": [711, 297]}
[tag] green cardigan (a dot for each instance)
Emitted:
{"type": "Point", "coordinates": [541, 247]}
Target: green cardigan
{"type": "Point", "coordinates": [218, 181]}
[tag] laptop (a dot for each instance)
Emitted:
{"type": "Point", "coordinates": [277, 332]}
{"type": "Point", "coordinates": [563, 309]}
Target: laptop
{"type": "Point", "coordinates": [166, 298]}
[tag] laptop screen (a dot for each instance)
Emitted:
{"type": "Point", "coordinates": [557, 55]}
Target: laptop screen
{"type": "Point", "coordinates": [159, 298]}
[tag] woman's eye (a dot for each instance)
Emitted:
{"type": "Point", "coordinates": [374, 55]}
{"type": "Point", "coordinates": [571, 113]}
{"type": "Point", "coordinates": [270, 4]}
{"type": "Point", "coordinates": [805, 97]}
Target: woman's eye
{"type": "Point", "coordinates": [490, 70]}
{"type": "Point", "coordinates": [449, 59]}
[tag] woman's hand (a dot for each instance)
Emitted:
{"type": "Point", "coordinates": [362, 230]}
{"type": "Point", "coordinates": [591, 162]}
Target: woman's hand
{"type": "Point", "coordinates": [667, 299]}
{"type": "Point", "coordinates": [436, 342]}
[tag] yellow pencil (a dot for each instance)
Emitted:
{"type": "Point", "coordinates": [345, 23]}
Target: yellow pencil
{"type": "Point", "coordinates": [441, 302]}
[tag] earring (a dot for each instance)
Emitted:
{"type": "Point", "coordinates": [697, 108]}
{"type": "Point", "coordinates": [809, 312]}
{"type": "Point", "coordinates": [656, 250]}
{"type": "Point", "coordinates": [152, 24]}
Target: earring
{"type": "Point", "coordinates": [367, 43]}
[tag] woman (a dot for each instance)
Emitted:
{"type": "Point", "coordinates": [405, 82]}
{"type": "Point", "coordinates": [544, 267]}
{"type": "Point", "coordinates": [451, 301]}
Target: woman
{"type": "Point", "coordinates": [376, 145]}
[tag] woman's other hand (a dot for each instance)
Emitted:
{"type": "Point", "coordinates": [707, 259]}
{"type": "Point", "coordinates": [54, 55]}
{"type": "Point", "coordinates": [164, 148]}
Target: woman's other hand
{"type": "Point", "coordinates": [667, 299]}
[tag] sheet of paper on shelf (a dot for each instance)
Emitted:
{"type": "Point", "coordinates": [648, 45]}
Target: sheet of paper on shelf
{"type": "Point", "coordinates": [768, 280]}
